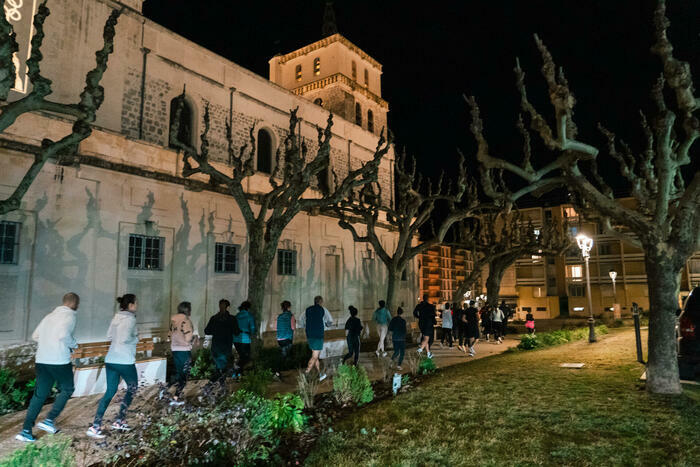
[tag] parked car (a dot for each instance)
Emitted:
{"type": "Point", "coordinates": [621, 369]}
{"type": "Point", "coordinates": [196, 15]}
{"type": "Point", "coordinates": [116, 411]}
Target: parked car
{"type": "Point", "coordinates": [689, 345]}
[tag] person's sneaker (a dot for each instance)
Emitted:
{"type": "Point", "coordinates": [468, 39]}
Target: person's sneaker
{"type": "Point", "coordinates": [441, 345]}
{"type": "Point", "coordinates": [420, 350]}
{"type": "Point", "coordinates": [322, 376]}
{"type": "Point", "coordinates": [176, 403]}
{"type": "Point", "coordinates": [384, 354]}
{"type": "Point", "coordinates": [25, 436]}
{"type": "Point", "coordinates": [48, 426]}
{"type": "Point", "coordinates": [398, 367]}
{"type": "Point", "coordinates": [430, 355]}
{"type": "Point", "coordinates": [94, 432]}
{"type": "Point", "coordinates": [120, 425]}
{"type": "Point", "coordinates": [472, 351]}
{"type": "Point", "coordinates": [376, 352]}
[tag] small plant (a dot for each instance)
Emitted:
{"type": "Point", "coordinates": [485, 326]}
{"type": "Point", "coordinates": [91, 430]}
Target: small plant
{"type": "Point", "coordinates": [426, 366]}
{"type": "Point", "coordinates": [546, 339]}
{"type": "Point", "coordinates": [202, 364]}
{"type": "Point", "coordinates": [306, 387]}
{"type": "Point", "coordinates": [529, 342]}
{"type": "Point", "coordinates": [386, 369]}
{"type": "Point", "coordinates": [351, 385]}
{"type": "Point", "coordinates": [410, 362]}
{"type": "Point", "coordinates": [256, 380]}
{"type": "Point", "coordinates": [13, 396]}
{"type": "Point", "coordinates": [54, 451]}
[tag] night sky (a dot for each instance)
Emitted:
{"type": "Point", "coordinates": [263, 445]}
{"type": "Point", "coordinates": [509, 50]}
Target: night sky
{"type": "Point", "coordinates": [433, 54]}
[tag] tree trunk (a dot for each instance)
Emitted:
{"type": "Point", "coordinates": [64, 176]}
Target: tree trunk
{"type": "Point", "coordinates": [664, 283]}
{"type": "Point", "coordinates": [392, 287]}
{"type": "Point", "coordinates": [260, 259]}
{"type": "Point", "coordinates": [493, 282]}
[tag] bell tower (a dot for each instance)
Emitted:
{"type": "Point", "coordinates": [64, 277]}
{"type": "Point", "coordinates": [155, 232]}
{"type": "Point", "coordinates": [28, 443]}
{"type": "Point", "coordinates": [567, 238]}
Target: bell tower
{"type": "Point", "coordinates": [335, 74]}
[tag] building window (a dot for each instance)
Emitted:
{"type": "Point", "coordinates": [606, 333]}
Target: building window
{"type": "Point", "coordinates": [286, 262]}
{"type": "Point", "coordinates": [226, 257]}
{"type": "Point", "coordinates": [317, 66]}
{"type": "Point", "coordinates": [264, 151]}
{"type": "Point", "coordinates": [603, 248]}
{"type": "Point", "coordinates": [576, 271]}
{"type": "Point", "coordinates": [576, 290]}
{"type": "Point", "coordinates": [9, 242]}
{"type": "Point", "coordinates": [548, 215]}
{"type": "Point", "coordinates": [366, 77]}
{"type": "Point", "coordinates": [541, 308]}
{"type": "Point", "coordinates": [185, 122]}
{"type": "Point", "coordinates": [551, 282]}
{"type": "Point", "coordinates": [358, 114]}
{"type": "Point", "coordinates": [298, 72]}
{"type": "Point", "coordinates": [354, 71]}
{"type": "Point", "coordinates": [146, 252]}
{"type": "Point", "coordinates": [318, 101]}
{"type": "Point", "coordinates": [370, 121]}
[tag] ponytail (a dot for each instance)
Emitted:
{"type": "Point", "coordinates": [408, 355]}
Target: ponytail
{"type": "Point", "coordinates": [126, 300]}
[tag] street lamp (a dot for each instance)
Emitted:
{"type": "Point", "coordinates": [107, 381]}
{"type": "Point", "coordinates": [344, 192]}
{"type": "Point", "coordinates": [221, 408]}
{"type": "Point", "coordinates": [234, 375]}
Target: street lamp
{"type": "Point", "coordinates": [586, 244]}
{"type": "Point", "coordinates": [613, 274]}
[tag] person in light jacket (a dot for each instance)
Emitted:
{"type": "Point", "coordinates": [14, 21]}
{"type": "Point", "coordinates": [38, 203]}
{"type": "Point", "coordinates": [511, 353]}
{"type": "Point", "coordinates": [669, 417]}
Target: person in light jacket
{"type": "Point", "coordinates": [242, 341]}
{"type": "Point", "coordinates": [55, 343]}
{"type": "Point", "coordinates": [497, 323]}
{"type": "Point", "coordinates": [120, 363]}
{"type": "Point", "coordinates": [381, 317]}
{"type": "Point", "coordinates": [447, 325]}
{"type": "Point", "coordinates": [181, 338]}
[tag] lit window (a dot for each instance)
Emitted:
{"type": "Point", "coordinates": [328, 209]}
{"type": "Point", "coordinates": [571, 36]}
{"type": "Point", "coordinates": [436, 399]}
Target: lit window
{"type": "Point", "coordinates": [317, 66]}
{"type": "Point", "coordinates": [358, 114]}
{"type": "Point", "coordinates": [570, 212]}
{"type": "Point", "coordinates": [576, 271]}
{"type": "Point", "coordinates": [264, 151]}
{"type": "Point", "coordinates": [366, 77]}
{"type": "Point", "coordinates": [370, 121]}
{"type": "Point", "coordinates": [286, 262]}
{"type": "Point", "coordinates": [9, 242]}
{"type": "Point", "coordinates": [298, 72]}
{"type": "Point", "coordinates": [146, 252]}
{"type": "Point", "coordinates": [354, 71]}
{"type": "Point", "coordinates": [226, 257]}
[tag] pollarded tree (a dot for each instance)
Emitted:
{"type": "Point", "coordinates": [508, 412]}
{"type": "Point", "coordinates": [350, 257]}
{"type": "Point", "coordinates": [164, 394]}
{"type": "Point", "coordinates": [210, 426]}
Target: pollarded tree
{"type": "Point", "coordinates": [497, 239]}
{"type": "Point", "coordinates": [411, 211]}
{"type": "Point", "coordinates": [267, 214]}
{"type": "Point", "coordinates": [665, 221]}
{"type": "Point", "coordinates": [36, 100]}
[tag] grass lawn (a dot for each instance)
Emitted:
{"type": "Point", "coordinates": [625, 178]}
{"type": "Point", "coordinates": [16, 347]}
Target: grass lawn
{"type": "Point", "coordinates": [520, 408]}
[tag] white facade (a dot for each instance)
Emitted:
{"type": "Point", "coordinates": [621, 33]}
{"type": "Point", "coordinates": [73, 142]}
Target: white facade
{"type": "Point", "coordinates": [76, 221]}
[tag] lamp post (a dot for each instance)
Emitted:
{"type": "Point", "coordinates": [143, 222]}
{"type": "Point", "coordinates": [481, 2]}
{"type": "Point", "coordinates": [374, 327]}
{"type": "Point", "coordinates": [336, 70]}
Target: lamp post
{"type": "Point", "coordinates": [586, 244]}
{"type": "Point", "coordinates": [613, 274]}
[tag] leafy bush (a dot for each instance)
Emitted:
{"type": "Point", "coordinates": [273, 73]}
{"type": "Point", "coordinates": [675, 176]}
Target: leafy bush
{"type": "Point", "coordinates": [13, 396]}
{"type": "Point", "coordinates": [54, 451]}
{"type": "Point", "coordinates": [529, 342]}
{"type": "Point", "coordinates": [202, 364]}
{"type": "Point", "coordinates": [426, 366]}
{"type": "Point", "coordinates": [270, 417]}
{"type": "Point", "coordinates": [546, 339]}
{"type": "Point", "coordinates": [256, 380]}
{"type": "Point", "coordinates": [307, 386]}
{"type": "Point", "coordinates": [351, 384]}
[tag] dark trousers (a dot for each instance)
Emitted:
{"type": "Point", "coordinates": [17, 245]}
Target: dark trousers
{"type": "Point", "coordinates": [462, 332]}
{"type": "Point", "coordinates": [285, 348]}
{"type": "Point", "coordinates": [220, 362]}
{"type": "Point", "coordinates": [399, 351]}
{"type": "Point", "coordinates": [115, 372]}
{"type": "Point", "coordinates": [46, 376]}
{"type": "Point", "coordinates": [446, 334]}
{"type": "Point", "coordinates": [353, 348]}
{"type": "Point", "coordinates": [183, 362]}
{"type": "Point", "coordinates": [496, 328]}
{"type": "Point", "coordinates": [243, 353]}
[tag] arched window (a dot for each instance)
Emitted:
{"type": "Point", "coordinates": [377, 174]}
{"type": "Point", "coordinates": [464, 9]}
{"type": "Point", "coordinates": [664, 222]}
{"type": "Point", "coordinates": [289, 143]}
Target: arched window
{"type": "Point", "coordinates": [358, 114]}
{"type": "Point", "coordinates": [370, 121]}
{"type": "Point", "coordinates": [354, 70]}
{"type": "Point", "coordinates": [298, 72]}
{"type": "Point", "coordinates": [185, 122]}
{"type": "Point", "coordinates": [318, 101]}
{"type": "Point", "coordinates": [317, 66]}
{"type": "Point", "coordinates": [264, 162]}
{"type": "Point", "coordinates": [366, 77]}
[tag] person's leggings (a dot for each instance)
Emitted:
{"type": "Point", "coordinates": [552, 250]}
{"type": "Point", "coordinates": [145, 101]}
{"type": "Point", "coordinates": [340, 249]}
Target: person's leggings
{"type": "Point", "coordinates": [220, 362]}
{"type": "Point", "coordinates": [183, 362]}
{"type": "Point", "coordinates": [243, 350]}
{"type": "Point", "coordinates": [496, 327]}
{"type": "Point", "coordinates": [46, 376]}
{"type": "Point", "coordinates": [399, 351]}
{"type": "Point", "coordinates": [285, 348]}
{"type": "Point", "coordinates": [353, 348]}
{"type": "Point", "coordinates": [446, 333]}
{"type": "Point", "coordinates": [116, 371]}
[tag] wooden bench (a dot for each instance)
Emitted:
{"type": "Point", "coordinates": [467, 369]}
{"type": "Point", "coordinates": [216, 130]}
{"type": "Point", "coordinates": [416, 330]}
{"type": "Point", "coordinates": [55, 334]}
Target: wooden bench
{"type": "Point", "coordinates": [100, 349]}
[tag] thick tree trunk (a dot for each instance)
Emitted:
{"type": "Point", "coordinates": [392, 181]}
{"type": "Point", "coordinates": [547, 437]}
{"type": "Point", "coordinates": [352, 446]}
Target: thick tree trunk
{"type": "Point", "coordinates": [493, 282]}
{"type": "Point", "coordinates": [392, 287]}
{"type": "Point", "coordinates": [664, 284]}
{"type": "Point", "coordinates": [260, 258]}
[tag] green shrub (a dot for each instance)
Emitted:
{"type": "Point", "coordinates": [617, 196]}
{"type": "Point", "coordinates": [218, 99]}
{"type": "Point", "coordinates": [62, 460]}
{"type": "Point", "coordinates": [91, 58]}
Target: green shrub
{"type": "Point", "coordinates": [426, 366]}
{"type": "Point", "coordinates": [202, 364]}
{"type": "Point", "coordinates": [53, 451]}
{"type": "Point", "coordinates": [351, 385]}
{"type": "Point", "coordinates": [546, 339]}
{"type": "Point", "coordinates": [529, 342]}
{"type": "Point", "coordinates": [13, 396]}
{"type": "Point", "coordinates": [256, 380]}
{"type": "Point", "coordinates": [602, 329]}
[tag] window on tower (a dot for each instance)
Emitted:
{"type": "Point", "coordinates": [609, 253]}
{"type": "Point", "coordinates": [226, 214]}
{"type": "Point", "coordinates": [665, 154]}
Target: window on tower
{"type": "Point", "coordinates": [366, 77]}
{"type": "Point", "coordinates": [354, 71]}
{"type": "Point", "coordinates": [358, 114]}
{"type": "Point", "coordinates": [264, 162]}
{"type": "Point", "coordinates": [370, 121]}
{"type": "Point", "coordinates": [317, 66]}
{"type": "Point", "coordinates": [298, 72]}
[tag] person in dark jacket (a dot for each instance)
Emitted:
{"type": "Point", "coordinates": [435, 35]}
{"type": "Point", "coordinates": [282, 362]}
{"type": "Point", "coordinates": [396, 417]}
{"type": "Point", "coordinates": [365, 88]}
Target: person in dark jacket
{"type": "Point", "coordinates": [397, 328]}
{"type": "Point", "coordinates": [284, 326]}
{"type": "Point", "coordinates": [353, 329]}
{"type": "Point", "coordinates": [426, 323]}
{"type": "Point", "coordinates": [472, 327]}
{"type": "Point", "coordinates": [316, 319]}
{"type": "Point", "coordinates": [221, 327]}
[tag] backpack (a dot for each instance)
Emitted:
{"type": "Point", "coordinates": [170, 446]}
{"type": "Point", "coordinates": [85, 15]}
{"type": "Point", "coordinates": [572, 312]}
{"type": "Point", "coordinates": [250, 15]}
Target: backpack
{"type": "Point", "coordinates": [236, 327]}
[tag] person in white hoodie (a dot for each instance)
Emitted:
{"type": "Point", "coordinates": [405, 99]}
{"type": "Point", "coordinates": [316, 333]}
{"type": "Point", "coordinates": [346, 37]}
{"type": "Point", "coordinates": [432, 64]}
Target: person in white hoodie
{"type": "Point", "coordinates": [55, 342]}
{"type": "Point", "coordinates": [119, 364]}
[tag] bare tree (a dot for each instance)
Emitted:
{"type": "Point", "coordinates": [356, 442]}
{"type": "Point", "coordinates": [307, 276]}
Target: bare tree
{"type": "Point", "coordinates": [665, 221]}
{"type": "Point", "coordinates": [84, 111]}
{"type": "Point", "coordinates": [498, 239]}
{"type": "Point", "coordinates": [411, 212]}
{"type": "Point", "coordinates": [267, 214]}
